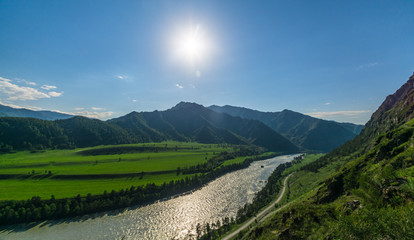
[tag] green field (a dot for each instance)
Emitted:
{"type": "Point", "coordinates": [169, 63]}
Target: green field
{"type": "Point", "coordinates": [66, 173]}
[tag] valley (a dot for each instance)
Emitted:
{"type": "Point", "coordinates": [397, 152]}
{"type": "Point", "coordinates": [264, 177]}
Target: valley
{"type": "Point", "coordinates": [206, 120]}
{"type": "Point", "coordinates": [141, 173]}
{"type": "Point", "coordinates": [169, 218]}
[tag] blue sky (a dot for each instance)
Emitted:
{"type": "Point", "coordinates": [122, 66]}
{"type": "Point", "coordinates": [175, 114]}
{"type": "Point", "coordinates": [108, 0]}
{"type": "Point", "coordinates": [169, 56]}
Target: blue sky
{"type": "Point", "coordinates": [331, 59]}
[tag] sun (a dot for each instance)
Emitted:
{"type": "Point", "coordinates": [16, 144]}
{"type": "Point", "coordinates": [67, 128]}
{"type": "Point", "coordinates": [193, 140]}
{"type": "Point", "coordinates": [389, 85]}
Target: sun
{"type": "Point", "coordinates": [192, 45]}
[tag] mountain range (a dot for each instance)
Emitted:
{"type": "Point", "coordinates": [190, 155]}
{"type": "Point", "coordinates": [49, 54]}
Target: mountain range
{"type": "Point", "coordinates": [190, 121]}
{"type": "Point", "coordinates": [184, 122]}
{"type": "Point", "coordinates": [303, 130]}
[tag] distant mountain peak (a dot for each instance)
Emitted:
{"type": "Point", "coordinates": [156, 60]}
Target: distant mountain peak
{"type": "Point", "coordinates": [184, 105]}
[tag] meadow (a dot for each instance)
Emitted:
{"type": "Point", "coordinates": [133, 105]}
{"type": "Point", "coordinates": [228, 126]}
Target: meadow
{"type": "Point", "coordinates": [66, 173]}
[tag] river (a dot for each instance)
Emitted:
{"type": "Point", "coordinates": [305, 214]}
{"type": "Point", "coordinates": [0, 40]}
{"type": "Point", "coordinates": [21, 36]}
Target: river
{"type": "Point", "coordinates": [174, 218]}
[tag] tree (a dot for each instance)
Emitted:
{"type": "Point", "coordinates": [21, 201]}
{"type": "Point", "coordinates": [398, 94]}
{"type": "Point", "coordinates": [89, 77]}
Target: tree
{"type": "Point", "coordinates": [199, 230]}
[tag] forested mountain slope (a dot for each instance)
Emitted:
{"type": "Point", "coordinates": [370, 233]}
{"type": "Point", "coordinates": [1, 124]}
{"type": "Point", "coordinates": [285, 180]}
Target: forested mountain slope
{"type": "Point", "coordinates": [370, 196]}
{"type": "Point", "coordinates": [305, 131]}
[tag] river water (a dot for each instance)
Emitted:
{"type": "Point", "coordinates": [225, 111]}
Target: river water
{"type": "Point", "coordinates": [175, 218]}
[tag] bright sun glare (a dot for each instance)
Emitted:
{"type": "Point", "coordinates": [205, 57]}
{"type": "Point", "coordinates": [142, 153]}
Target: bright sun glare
{"type": "Point", "coordinates": [192, 45]}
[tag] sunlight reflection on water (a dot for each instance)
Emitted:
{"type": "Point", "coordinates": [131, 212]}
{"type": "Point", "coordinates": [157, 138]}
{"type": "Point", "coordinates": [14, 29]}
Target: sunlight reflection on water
{"type": "Point", "coordinates": [171, 219]}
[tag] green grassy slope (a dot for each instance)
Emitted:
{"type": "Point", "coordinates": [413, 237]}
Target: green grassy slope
{"type": "Point", "coordinates": [362, 190]}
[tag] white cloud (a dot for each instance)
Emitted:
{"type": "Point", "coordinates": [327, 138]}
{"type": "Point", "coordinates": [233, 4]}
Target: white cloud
{"type": "Point", "coordinates": [198, 73]}
{"type": "Point", "coordinates": [123, 77]}
{"type": "Point", "coordinates": [327, 103]}
{"type": "Point", "coordinates": [179, 86]}
{"type": "Point", "coordinates": [134, 100]}
{"type": "Point", "coordinates": [95, 113]}
{"type": "Point", "coordinates": [25, 82]}
{"type": "Point", "coordinates": [371, 64]}
{"type": "Point", "coordinates": [338, 113]}
{"type": "Point", "coordinates": [99, 115]}
{"type": "Point", "coordinates": [15, 92]}
{"type": "Point", "coordinates": [55, 94]}
{"type": "Point", "coordinates": [48, 87]}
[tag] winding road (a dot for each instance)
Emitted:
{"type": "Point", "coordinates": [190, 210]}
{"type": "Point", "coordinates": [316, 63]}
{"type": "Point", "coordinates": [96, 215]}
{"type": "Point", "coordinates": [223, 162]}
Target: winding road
{"type": "Point", "coordinates": [262, 213]}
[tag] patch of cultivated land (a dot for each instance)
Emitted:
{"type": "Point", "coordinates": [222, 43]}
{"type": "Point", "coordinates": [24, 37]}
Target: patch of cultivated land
{"type": "Point", "coordinates": [66, 173]}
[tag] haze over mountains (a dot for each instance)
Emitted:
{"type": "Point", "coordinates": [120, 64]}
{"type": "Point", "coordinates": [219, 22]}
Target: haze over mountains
{"type": "Point", "coordinates": [184, 122]}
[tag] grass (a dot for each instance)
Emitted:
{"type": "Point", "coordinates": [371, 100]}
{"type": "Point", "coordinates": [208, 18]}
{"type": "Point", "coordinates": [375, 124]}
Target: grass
{"type": "Point", "coordinates": [163, 164]}
{"type": "Point", "coordinates": [71, 162]}
{"type": "Point", "coordinates": [18, 189]}
{"type": "Point", "coordinates": [304, 181]}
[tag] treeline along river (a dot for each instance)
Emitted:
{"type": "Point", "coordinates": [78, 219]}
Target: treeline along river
{"type": "Point", "coordinates": [174, 218]}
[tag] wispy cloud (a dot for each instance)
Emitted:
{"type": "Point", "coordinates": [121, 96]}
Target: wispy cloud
{"type": "Point", "coordinates": [90, 114]}
{"type": "Point", "coordinates": [48, 87]}
{"type": "Point", "coordinates": [20, 80]}
{"type": "Point", "coordinates": [327, 103]}
{"type": "Point", "coordinates": [93, 112]}
{"type": "Point", "coordinates": [55, 94]}
{"type": "Point", "coordinates": [120, 77]}
{"type": "Point", "coordinates": [15, 92]}
{"type": "Point", "coordinates": [134, 100]}
{"type": "Point", "coordinates": [351, 114]}
{"type": "Point", "coordinates": [179, 86]}
{"type": "Point", "coordinates": [371, 64]}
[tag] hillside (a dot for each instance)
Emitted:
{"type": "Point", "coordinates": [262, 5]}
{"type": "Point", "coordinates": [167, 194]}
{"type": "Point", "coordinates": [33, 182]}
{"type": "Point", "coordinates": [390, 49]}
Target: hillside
{"type": "Point", "coordinates": [6, 111]}
{"type": "Point", "coordinates": [85, 132]}
{"type": "Point", "coordinates": [305, 131]}
{"type": "Point", "coordinates": [369, 197]}
{"type": "Point", "coordinates": [36, 134]}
